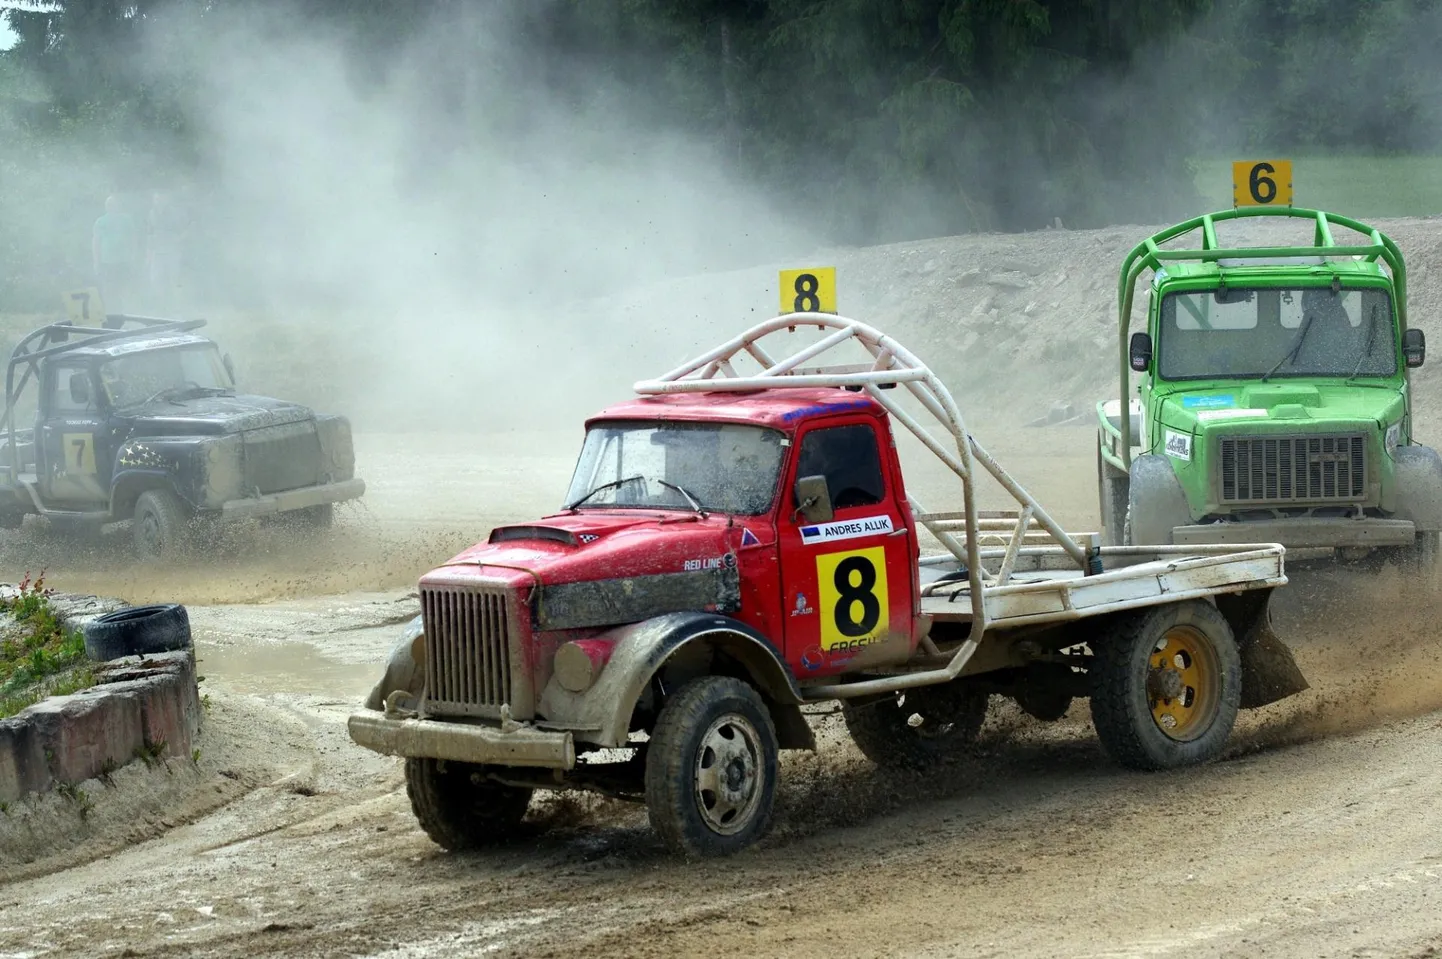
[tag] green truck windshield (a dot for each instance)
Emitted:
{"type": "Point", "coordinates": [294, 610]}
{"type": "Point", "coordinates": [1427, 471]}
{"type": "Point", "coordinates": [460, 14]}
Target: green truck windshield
{"type": "Point", "coordinates": [1253, 333]}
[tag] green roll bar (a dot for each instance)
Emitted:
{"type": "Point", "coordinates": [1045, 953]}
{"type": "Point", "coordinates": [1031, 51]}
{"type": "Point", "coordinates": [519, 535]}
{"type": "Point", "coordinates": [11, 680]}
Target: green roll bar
{"type": "Point", "coordinates": [1148, 255]}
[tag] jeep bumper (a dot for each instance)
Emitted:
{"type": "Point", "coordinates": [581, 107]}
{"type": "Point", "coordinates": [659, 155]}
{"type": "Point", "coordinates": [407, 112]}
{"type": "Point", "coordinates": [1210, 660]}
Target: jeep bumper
{"type": "Point", "coordinates": [1303, 533]}
{"type": "Point", "coordinates": [270, 503]}
{"type": "Point", "coordinates": [462, 741]}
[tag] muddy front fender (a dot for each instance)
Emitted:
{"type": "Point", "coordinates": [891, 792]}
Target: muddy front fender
{"type": "Point", "coordinates": [678, 647]}
{"type": "Point", "coordinates": [406, 668]}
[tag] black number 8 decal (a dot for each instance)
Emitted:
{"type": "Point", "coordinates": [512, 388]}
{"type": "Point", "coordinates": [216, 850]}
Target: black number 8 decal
{"type": "Point", "coordinates": [806, 299]}
{"type": "Point", "coordinates": [861, 593]}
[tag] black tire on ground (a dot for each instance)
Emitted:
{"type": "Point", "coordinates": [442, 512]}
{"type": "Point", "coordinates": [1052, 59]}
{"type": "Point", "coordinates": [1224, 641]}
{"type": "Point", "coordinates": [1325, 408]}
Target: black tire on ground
{"type": "Point", "coordinates": [11, 519]}
{"type": "Point", "coordinates": [137, 631]}
{"type": "Point", "coordinates": [459, 808]}
{"type": "Point", "coordinates": [1166, 686]}
{"type": "Point", "coordinates": [1424, 555]}
{"type": "Point", "coordinates": [917, 728]}
{"type": "Point", "coordinates": [161, 526]}
{"type": "Point", "coordinates": [711, 768]}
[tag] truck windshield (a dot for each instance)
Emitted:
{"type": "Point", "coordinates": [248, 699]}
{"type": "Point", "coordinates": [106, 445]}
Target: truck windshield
{"type": "Point", "coordinates": [726, 468]}
{"type": "Point", "coordinates": [1274, 333]}
{"type": "Point", "coordinates": [135, 377]}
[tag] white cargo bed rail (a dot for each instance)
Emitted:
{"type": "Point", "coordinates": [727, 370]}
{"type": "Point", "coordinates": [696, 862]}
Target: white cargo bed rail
{"type": "Point", "coordinates": [1166, 574]}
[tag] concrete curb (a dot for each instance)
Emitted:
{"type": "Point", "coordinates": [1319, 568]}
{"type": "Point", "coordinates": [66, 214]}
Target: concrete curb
{"type": "Point", "coordinates": [142, 708]}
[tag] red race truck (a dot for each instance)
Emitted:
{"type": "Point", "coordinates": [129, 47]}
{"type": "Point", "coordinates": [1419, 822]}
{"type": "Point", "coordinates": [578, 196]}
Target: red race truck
{"type": "Point", "coordinates": [736, 545]}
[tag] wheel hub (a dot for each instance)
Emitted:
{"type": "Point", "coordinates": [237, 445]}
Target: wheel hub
{"type": "Point", "coordinates": [1183, 683]}
{"type": "Point", "coordinates": [728, 780]}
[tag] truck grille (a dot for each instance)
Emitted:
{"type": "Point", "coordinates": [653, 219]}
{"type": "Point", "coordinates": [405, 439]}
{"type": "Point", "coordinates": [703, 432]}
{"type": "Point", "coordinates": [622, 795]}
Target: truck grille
{"type": "Point", "coordinates": [1293, 469]}
{"type": "Point", "coordinates": [468, 649]}
{"type": "Point", "coordinates": [279, 458]}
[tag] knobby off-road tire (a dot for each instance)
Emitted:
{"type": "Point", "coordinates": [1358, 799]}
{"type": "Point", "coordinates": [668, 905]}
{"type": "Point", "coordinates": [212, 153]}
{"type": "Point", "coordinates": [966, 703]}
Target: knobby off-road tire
{"type": "Point", "coordinates": [161, 526]}
{"type": "Point", "coordinates": [917, 728]}
{"type": "Point", "coordinates": [711, 768]}
{"type": "Point", "coordinates": [1166, 686]}
{"type": "Point", "coordinates": [138, 631]}
{"type": "Point", "coordinates": [458, 808]}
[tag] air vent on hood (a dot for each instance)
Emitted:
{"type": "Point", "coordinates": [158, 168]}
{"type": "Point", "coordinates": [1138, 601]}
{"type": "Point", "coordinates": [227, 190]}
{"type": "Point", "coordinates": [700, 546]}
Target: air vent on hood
{"type": "Point", "coordinates": [507, 534]}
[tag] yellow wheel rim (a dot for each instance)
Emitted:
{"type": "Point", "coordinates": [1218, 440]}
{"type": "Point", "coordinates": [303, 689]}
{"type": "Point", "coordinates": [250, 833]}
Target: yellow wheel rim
{"type": "Point", "coordinates": [1183, 683]}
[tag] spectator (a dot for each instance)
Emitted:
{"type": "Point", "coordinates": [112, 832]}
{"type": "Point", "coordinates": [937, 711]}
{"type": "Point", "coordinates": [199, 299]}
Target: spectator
{"type": "Point", "coordinates": [116, 247]}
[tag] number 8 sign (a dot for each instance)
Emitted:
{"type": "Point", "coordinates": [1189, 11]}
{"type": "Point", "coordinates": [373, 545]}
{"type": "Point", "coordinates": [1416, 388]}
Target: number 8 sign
{"type": "Point", "coordinates": [811, 290]}
{"type": "Point", "coordinates": [852, 587]}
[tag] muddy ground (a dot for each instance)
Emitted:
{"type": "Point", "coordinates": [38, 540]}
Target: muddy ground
{"type": "Point", "coordinates": [1317, 836]}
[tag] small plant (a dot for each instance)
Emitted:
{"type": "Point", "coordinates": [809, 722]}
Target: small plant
{"type": "Point", "coordinates": [38, 657]}
{"type": "Point", "coordinates": [150, 753]}
{"type": "Point", "coordinates": [205, 702]}
{"type": "Point", "coordinates": [195, 756]}
{"type": "Point", "coordinates": [78, 796]}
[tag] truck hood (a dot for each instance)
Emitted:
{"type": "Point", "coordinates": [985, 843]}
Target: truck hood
{"type": "Point", "coordinates": [1303, 407]}
{"type": "Point", "coordinates": [594, 545]}
{"type": "Point", "coordinates": [213, 415]}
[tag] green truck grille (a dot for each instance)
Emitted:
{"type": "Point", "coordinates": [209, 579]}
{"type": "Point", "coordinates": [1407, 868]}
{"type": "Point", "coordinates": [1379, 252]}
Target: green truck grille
{"type": "Point", "coordinates": [1293, 469]}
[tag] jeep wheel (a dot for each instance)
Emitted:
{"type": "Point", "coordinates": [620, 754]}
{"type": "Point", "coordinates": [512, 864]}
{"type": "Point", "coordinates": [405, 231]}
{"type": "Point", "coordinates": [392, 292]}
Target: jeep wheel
{"type": "Point", "coordinates": [711, 768]}
{"type": "Point", "coordinates": [918, 728]}
{"type": "Point", "coordinates": [161, 525]}
{"type": "Point", "coordinates": [1166, 686]}
{"type": "Point", "coordinates": [459, 808]}
{"type": "Point", "coordinates": [313, 517]}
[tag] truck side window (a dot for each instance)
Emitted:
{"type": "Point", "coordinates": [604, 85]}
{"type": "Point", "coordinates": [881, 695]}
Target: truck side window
{"type": "Point", "coordinates": [849, 459]}
{"type": "Point", "coordinates": [61, 400]}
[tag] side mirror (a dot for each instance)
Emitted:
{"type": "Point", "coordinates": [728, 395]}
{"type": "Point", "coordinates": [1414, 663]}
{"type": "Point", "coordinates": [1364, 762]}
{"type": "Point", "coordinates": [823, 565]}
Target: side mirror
{"type": "Point", "coordinates": [814, 499]}
{"type": "Point", "coordinates": [1140, 351]}
{"type": "Point", "coordinates": [1414, 348]}
{"type": "Point", "coordinates": [80, 388]}
{"type": "Point", "coordinates": [229, 368]}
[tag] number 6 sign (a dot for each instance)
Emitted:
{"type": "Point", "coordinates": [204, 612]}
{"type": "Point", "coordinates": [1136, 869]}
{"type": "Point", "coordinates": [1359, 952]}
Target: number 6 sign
{"type": "Point", "coordinates": [1262, 183]}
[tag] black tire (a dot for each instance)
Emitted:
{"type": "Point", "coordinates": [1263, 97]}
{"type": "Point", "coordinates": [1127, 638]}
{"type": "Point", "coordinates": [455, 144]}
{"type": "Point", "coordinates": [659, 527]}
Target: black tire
{"type": "Point", "coordinates": [712, 728]}
{"type": "Point", "coordinates": [1424, 556]}
{"type": "Point", "coordinates": [138, 631]}
{"type": "Point", "coordinates": [917, 728]}
{"type": "Point", "coordinates": [161, 526]}
{"type": "Point", "coordinates": [11, 519]}
{"type": "Point", "coordinates": [459, 808]}
{"type": "Point", "coordinates": [1186, 649]}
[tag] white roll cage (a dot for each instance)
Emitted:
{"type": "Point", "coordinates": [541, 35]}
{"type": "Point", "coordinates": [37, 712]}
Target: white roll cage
{"type": "Point", "coordinates": [892, 364]}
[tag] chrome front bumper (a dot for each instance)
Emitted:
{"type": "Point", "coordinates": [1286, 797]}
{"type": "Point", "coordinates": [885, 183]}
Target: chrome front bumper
{"type": "Point", "coordinates": [462, 741]}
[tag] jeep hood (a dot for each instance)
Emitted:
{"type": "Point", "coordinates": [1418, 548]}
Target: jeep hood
{"type": "Point", "coordinates": [213, 414]}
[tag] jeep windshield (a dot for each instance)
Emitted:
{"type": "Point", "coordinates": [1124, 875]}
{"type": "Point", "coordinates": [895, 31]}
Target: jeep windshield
{"type": "Point", "coordinates": [171, 373]}
{"type": "Point", "coordinates": [636, 465]}
{"type": "Point", "coordinates": [1275, 333]}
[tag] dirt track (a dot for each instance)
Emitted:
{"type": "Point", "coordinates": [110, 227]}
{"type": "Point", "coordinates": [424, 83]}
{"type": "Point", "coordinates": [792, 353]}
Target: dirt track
{"type": "Point", "coordinates": [1317, 837]}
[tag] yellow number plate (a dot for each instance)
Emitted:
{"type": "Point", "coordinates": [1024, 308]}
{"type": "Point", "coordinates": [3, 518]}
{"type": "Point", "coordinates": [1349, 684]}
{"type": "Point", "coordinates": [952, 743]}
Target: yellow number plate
{"type": "Point", "coordinates": [811, 290]}
{"type": "Point", "coordinates": [84, 307]}
{"type": "Point", "coordinates": [854, 609]}
{"type": "Point", "coordinates": [1262, 183]}
{"type": "Point", "coordinates": [79, 453]}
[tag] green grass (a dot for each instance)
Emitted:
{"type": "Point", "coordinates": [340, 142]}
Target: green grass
{"type": "Point", "coordinates": [38, 656]}
{"type": "Point", "coordinates": [1354, 186]}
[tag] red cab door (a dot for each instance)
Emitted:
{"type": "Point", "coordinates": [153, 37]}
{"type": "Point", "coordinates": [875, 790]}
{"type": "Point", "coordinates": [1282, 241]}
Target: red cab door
{"type": "Point", "coordinates": [848, 585]}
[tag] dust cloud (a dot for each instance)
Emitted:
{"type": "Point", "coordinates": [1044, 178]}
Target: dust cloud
{"type": "Point", "coordinates": [406, 235]}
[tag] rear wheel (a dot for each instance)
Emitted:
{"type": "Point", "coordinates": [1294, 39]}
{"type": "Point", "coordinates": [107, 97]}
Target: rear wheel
{"type": "Point", "coordinates": [917, 728]}
{"type": "Point", "coordinates": [461, 809]}
{"type": "Point", "coordinates": [1166, 686]}
{"type": "Point", "coordinates": [313, 517]}
{"type": "Point", "coordinates": [711, 768]}
{"type": "Point", "coordinates": [161, 525]}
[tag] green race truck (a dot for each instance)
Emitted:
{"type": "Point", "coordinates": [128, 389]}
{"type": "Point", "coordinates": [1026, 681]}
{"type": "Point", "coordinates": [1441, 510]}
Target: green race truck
{"type": "Point", "coordinates": [1273, 402]}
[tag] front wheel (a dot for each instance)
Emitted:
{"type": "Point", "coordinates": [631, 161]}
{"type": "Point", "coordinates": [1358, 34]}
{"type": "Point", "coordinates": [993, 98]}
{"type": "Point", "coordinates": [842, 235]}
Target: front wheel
{"type": "Point", "coordinates": [1166, 686]}
{"type": "Point", "coordinates": [711, 768]}
{"type": "Point", "coordinates": [161, 525]}
{"type": "Point", "coordinates": [916, 728]}
{"type": "Point", "coordinates": [461, 809]}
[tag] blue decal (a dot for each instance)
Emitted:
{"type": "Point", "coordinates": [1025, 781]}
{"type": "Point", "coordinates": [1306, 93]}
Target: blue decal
{"type": "Point", "coordinates": [1209, 402]}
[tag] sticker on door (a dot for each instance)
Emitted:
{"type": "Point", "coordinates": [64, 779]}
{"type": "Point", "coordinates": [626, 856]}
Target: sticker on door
{"type": "Point", "coordinates": [852, 593]}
